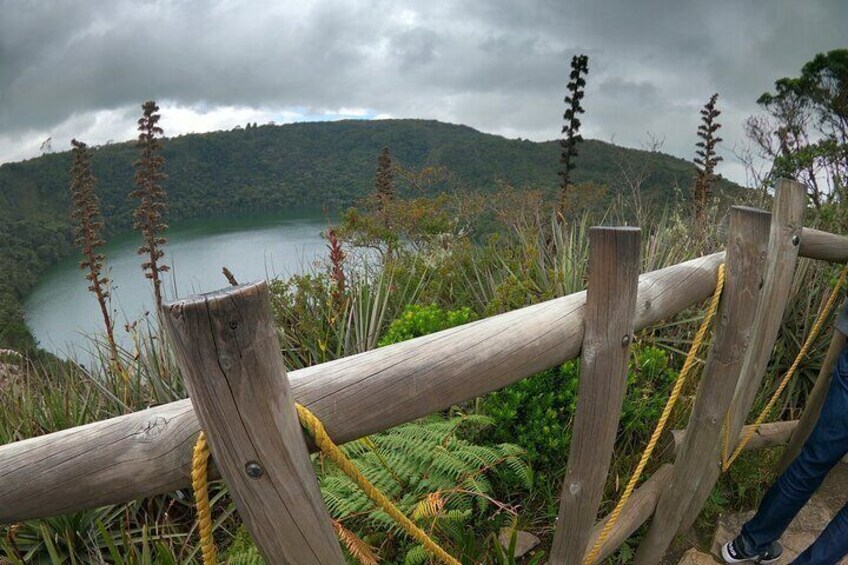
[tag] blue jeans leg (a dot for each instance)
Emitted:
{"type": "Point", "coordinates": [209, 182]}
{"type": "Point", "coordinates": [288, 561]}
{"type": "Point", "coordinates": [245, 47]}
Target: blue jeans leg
{"type": "Point", "coordinates": [827, 444]}
{"type": "Point", "coordinates": [831, 546]}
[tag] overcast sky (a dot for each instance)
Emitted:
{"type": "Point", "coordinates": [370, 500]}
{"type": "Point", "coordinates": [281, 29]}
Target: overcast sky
{"type": "Point", "coordinates": [81, 69]}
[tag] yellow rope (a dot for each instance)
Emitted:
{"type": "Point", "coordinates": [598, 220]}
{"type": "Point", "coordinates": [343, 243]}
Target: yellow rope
{"type": "Point", "coordinates": [316, 429]}
{"type": "Point", "coordinates": [811, 338]}
{"type": "Point", "coordinates": [200, 484]}
{"type": "Point", "coordinates": [672, 399]}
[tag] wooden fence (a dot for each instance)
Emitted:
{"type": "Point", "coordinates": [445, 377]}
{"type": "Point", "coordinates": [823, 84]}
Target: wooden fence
{"type": "Point", "coordinates": [241, 396]}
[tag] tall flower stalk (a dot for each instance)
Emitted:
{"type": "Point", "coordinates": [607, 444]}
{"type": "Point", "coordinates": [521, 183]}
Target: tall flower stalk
{"type": "Point", "coordinates": [571, 128]}
{"type": "Point", "coordinates": [706, 159]}
{"type": "Point", "coordinates": [337, 274]}
{"type": "Point", "coordinates": [88, 229]}
{"type": "Point", "coordinates": [384, 185]}
{"type": "Point", "coordinates": [151, 197]}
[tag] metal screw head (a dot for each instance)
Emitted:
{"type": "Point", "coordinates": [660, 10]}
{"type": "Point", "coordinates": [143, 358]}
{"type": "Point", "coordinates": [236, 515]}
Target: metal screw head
{"type": "Point", "coordinates": [254, 470]}
{"type": "Point", "coordinates": [625, 341]}
{"type": "Point", "coordinates": [795, 239]}
{"type": "Point", "coordinates": [234, 325]}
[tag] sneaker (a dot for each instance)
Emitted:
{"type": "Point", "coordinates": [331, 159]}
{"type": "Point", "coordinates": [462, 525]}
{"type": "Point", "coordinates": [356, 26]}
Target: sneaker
{"type": "Point", "coordinates": [733, 552]}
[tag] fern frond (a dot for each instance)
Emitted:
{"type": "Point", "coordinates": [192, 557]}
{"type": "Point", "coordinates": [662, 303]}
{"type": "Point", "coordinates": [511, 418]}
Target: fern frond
{"type": "Point", "coordinates": [431, 469]}
{"type": "Point", "coordinates": [454, 516]}
{"type": "Point", "coordinates": [429, 507]}
{"type": "Point", "coordinates": [416, 556]}
{"type": "Point", "coordinates": [355, 545]}
{"type": "Point", "coordinates": [521, 470]}
{"type": "Point", "coordinates": [478, 484]}
{"type": "Point", "coordinates": [358, 447]}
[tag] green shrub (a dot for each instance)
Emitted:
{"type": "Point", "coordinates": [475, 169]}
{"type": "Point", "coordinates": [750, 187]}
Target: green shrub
{"type": "Point", "coordinates": [537, 413]}
{"type": "Point", "coordinates": [416, 321]}
{"type": "Point", "coordinates": [649, 381]}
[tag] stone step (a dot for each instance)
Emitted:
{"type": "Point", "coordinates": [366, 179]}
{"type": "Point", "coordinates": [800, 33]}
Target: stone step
{"type": "Point", "coordinates": [695, 557]}
{"type": "Point", "coordinates": [806, 527]}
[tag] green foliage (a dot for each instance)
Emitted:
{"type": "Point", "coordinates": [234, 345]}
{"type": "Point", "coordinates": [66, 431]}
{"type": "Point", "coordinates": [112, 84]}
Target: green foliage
{"type": "Point", "coordinates": [243, 551]}
{"type": "Point", "coordinates": [416, 321]}
{"type": "Point", "coordinates": [803, 131]}
{"type": "Point", "coordinates": [319, 323]}
{"type": "Point", "coordinates": [309, 164]}
{"type": "Point", "coordinates": [649, 381]}
{"type": "Point", "coordinates": [537, 413]}
{"type": "Point", "coordinates": [435, 472]}
{"type": "Point", "coordinates": [328, 164]}
{"type": "Point", "coordinates": [27, 248]}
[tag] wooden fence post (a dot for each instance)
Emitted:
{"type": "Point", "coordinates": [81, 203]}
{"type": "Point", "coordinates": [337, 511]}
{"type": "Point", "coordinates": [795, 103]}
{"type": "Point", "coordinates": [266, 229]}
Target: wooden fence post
{"type": "Point", "coordinates": [227, 350]}
{"type": "Point", "coordinates": [784, 243]}
{"type": "Point", "coordinates": [787, 220]}
{"type": "Point", "coordinates": [699, 458]}
{"type": "Point", "coordinates": [614, 258]}
{"type": "Point", "coordinates": [815, 401]}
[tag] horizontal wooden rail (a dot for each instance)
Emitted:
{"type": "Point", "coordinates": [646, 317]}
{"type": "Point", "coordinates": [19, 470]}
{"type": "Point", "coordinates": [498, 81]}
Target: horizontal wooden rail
{"type": "Point", "coordinates": [770, 434]}
{"type": "Point", "coordinates": [149, 452]}
{"type": "Point", "coordinates": [822, 245]}
{"type": "Point", "coordinates": [636, 512]}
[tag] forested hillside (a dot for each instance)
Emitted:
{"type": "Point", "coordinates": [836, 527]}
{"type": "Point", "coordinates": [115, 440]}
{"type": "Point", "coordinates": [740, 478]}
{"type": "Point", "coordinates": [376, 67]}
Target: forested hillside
{"type": "Point", "coordinates": [275, 167]}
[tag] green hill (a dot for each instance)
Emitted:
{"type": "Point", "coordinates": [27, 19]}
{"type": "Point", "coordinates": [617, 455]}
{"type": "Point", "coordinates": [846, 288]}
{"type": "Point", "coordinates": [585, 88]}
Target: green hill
{"type": "Point", "coordinates": [274, 167]}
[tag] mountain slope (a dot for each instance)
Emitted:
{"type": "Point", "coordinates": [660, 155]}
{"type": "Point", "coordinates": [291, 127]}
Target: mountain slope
{"type": "Point", "coordinates": [272, 167]}
{"type": "Point", "coordinates": [324, 163]}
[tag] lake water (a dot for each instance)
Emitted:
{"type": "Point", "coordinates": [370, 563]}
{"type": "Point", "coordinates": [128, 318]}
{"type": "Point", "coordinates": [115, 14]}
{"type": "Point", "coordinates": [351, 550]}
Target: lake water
{"type": "Point", "coordinates": [62, 314]}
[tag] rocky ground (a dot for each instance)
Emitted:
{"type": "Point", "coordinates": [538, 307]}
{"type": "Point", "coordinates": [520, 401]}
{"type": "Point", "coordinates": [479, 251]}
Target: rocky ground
{"type": "Point", "coordinates": [824, 505]}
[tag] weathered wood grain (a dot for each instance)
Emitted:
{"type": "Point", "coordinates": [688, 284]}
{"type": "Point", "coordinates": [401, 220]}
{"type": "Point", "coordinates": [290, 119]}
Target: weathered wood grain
{"type": "Point", "coordinates": [149, 452]}
{"type": "Point", "coordinates": [784, 241]}
{"type": "Point", "coordinates": [822, 245]}
{"type": "Point", "coordinates": [639, 508]}
{"type": "Point", "coordinates": [699, 457]}
{"type": "Point", "coordinates": [226, 347]}
{"type": "Point", "coordinates": [614, 258]}
{"type": "Point", "coordinates": [770, 434]}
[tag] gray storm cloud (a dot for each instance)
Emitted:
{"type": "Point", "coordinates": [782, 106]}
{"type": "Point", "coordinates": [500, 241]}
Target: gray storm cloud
{"type": "Point", "coordinates": [498, 66]}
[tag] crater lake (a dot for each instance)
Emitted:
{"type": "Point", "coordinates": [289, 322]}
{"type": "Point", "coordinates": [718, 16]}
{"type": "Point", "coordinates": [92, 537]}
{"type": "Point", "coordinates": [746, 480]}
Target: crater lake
{"type": "Point", "coordinates": [64, 316]}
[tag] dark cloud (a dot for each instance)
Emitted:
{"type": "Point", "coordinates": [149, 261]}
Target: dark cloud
{"type": "Point", "coordinates": [499, 66]}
